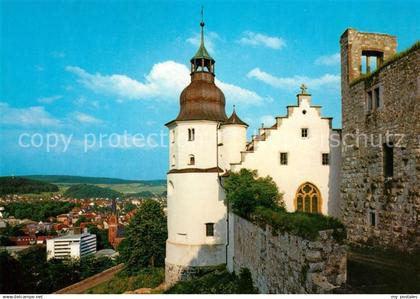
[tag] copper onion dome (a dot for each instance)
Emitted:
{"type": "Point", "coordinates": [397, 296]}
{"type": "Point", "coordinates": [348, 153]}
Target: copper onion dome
{"type": "Point", "coordinates": [202, 99]}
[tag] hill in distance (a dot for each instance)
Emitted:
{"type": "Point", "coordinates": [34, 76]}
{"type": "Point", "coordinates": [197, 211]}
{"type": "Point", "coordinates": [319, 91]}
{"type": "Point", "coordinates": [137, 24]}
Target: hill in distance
{"type": "Point", "coordinates": [70, 179]}
{"type": "Point", "coordinates": [20, 185]}
{"type": "Point", "coordinates": [90, 191]}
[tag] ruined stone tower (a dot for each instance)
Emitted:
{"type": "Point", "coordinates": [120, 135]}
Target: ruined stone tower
{"type": "Point", "coordinates": [380, 150]}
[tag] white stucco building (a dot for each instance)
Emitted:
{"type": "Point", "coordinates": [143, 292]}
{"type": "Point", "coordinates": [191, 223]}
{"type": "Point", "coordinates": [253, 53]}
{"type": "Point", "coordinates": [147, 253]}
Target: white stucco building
{"type": "Point", "coordinates": [205, 145]}
{"type": "Point", "coordinates": [71, 246]}
{"type": "Point", "coordinates": [301, 152]}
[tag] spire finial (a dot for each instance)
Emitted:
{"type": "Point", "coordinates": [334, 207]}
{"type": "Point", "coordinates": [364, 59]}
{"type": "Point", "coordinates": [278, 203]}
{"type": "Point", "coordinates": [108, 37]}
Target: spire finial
{"type": "Point", "coordinates": [304, 89]}
{"type": "Point", "coordinates": [234, 106]}
{"type": "Point", "coordinates": [202, 25]}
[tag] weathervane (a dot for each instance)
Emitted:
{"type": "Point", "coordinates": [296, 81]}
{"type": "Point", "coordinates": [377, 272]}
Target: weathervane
{"type": "Point", "coordinates": [304, 89]}
{"type": "Point", "coordinates": [202, 16]}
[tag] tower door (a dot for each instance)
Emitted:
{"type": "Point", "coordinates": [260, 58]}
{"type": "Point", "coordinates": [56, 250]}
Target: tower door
{"type": "Point", "coordinates": [308, 199]}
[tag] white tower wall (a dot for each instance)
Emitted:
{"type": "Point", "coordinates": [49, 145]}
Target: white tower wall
{"type": "Point", "coordinates": [195, 198]}
{"type": "Point", "coordinates": [233, 143]}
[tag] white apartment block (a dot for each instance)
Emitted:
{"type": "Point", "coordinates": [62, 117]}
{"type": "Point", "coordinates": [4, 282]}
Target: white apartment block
{"type": "Point", "coordinates": [71, 246]}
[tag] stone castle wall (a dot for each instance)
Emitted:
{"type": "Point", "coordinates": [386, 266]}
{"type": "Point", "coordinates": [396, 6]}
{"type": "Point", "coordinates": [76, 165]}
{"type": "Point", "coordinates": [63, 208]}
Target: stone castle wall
{"type": "Point", "coordinates": [364, 188]}
{"type": "Point", "coordinates": [175, 273]}
{"type": "Point", "coordinates": [283, 263]}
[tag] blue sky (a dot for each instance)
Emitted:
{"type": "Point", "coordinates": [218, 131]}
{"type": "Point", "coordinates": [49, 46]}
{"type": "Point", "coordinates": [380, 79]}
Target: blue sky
{"type": "Point", "coordinates": [85, 68]}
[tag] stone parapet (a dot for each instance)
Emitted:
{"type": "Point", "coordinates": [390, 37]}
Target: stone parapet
{"type": "Point", "coordinates": [282, 263]}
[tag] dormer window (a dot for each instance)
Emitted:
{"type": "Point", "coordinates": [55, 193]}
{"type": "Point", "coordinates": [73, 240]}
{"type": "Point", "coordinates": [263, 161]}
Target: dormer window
{"type": "Point", "coordinates": [191, 160]}
{"type": "Point", "coordinates": [191, 134]}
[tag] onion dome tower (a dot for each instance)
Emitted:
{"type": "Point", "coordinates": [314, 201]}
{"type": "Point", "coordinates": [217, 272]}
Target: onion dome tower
{"type": "Point", "coordinates": [202, 99]}
{"type": "Point", "coordinates": [196, 211]}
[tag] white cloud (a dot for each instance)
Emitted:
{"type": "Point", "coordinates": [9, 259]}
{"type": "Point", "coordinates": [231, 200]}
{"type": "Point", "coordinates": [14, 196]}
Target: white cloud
{"type": "Point", "coordinates": [238, 95]}
{"type": "Point", "coordinates": [329, 60]}
{"type": "Point", "coordinates": [83, 102]}
{"type": "Point", "coordinates": [293, 83]}
{"type": "Point", "coordinates": [39, 68]}
{"type": "Point", "coordinates": [165, 81]}
{"type": "Point", "coordinates": [85, 118]}
{"type": "Point", "coordinates": [210, 39]}
{"type": "Point", "coordinates": [26, 116]}
{"type": "Point", "coordinates": [58, 54]}
{"type": "Point", "coordinates": [260, 39]}
{"type": "Point", "coordinates": [49, 100]}
{"type": "Point", "coordinates": [267, 120]}
{"type": "Point", "coordinates": [150, 123]}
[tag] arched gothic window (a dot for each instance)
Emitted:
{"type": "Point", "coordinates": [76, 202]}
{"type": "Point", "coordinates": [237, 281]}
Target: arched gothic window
{"type": "Point", "coordinates": [308, 199]}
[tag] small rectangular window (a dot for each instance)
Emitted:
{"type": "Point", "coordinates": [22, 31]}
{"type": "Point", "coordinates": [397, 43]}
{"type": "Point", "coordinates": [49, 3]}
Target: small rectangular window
{"type": "Point", "coordinates": [191, 160]}
{"type": "Point", "coordinates": [325, 159]}
{"type": "Point", "coordinates": [283, 159]}
{"type": "Point", "coordinates": [304, 132]}
{"type": "Point", "coordinates": [369, 101]}
{"type": "Point", "coordinates": [191, 134]}
{"type": "Point", "coordinates": [378, 100]}
{"type": "Point", "coordinates": [173, 136]}
{"type": "Point", "coordinates": [209, 229]}
{"type": "Point", "coordinates": [372, 218]}
{"type": "Point", "coordinates": [388, 163]}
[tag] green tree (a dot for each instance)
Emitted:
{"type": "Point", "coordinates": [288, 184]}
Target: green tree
{"type": "Point", "coordinates": [101, 236]}
{"type": "Point", "coordinates": [80, 220]}
{"type": "Point", "coordinates": [34, 269]}
{"type": "Point", "coordinates": [245, 191]}
{"type": "Point", "coordinates": [91, 265]}
{"type": "Point", "coordinates": [10, 281]}
{"type": "Point", "coordinates": [146, 234]}
{"type": "Point", "coordinates": [59, 273]}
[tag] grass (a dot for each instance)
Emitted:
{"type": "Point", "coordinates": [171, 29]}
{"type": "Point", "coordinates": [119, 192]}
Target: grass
{"type": "Point", "coordinates": [219, 281]}
{"type": "Point", "coordinates": [136, 187]}
{"type": "Point", "coordinates": [124, 188]}
{"type": "Point", "coordinates": [122, 282]}
{"type": "Point", "coordinates": [300, 224]}
{"type": "Point", "coordinates": [37, 196]}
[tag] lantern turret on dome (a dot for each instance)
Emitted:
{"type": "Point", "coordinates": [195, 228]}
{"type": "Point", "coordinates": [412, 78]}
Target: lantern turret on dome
{"type": "Point", "coordinates": [202, 99]}
{"type": "Point", "coordinates": [202, 61]}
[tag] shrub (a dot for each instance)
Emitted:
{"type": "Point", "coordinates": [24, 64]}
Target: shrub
{"type": "Point", "coordinates": [219, 281]}
{"type": "Point", "coordinates": [300, 224]}
{"type": "Point", "coordinates": [245, 191]}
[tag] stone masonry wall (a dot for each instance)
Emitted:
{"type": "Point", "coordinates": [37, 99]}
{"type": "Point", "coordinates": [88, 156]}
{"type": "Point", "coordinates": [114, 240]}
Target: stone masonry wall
{"type": "Point", "coordinates": [364, 188]}
{"type": "Point", "coordinates": [286, 264]}
{"type": "Point", "coordinates": [175, 273]}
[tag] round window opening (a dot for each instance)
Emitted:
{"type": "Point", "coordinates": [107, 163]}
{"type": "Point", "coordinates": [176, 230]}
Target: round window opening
{"type": "Point", "coordinates": [304, 111]}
